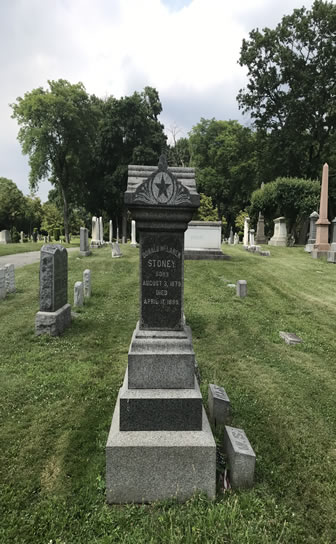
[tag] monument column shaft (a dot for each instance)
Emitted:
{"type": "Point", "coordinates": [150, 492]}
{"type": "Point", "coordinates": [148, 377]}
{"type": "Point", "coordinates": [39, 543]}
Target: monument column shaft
{"type": "Point", "coordinates": [322, 224]}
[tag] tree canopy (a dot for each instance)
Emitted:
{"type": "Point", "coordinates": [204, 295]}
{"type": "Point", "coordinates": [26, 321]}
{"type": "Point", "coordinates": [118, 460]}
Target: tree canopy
{"type": "Point", "coordinates": [224, 153]}
{"type": "Point", "coordinates": [12, 204]}
{"type": "Point", "coordinates": [291, 93]}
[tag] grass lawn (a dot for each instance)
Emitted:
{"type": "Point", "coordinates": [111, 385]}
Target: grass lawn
{"type": "Point", "coordinates": [11, 249]}
{"type": "Point", "coordinates": [58, 395]}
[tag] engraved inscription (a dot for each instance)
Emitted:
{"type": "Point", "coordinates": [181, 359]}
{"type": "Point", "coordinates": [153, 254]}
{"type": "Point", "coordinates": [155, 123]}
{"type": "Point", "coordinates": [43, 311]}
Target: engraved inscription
{"type": "Point", "coordinates": [240, 440]}
{"type": "Point", "coordinates": [161, 281]}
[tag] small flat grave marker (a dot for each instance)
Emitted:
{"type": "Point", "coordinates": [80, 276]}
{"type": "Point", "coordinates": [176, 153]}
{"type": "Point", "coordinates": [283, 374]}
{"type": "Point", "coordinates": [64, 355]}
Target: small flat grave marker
{"type": "Point", "coordinates": [290, 338]}
{"type": "Point", "coordinates": [241, 457]}
{"type": "Point", "coordinates": [219, 405]}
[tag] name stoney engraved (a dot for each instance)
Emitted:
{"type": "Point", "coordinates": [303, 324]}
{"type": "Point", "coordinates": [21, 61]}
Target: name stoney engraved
{"type": "Point", "coordinates": [240, 441]}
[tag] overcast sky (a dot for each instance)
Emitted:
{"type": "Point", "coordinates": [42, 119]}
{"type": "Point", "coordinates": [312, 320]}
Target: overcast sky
{"type": "Point", "coordinates": [186, 49]}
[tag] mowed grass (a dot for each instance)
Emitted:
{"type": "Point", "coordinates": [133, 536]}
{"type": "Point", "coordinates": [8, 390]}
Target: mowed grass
{"type": "Point", "coordinates": [58, 395]}
{"type": "Point", "coordinates": [10, 249]}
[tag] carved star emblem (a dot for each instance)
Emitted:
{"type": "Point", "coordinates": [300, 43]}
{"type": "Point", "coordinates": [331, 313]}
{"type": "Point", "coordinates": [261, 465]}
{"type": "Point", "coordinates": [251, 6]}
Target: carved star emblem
{"type": "Point", "coordinates": [162, 186]}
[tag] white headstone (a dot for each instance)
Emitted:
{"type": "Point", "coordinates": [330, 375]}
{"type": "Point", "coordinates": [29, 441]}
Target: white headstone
{"type": "Point", "coordinates": [279, 237]}
{"type": "Point", "coordinates": [78, 294]}
{"type": "Point", "coordinates": [101, 230]}
{"type": "Point", "coordinates": [133, 236]}
{"type": "Point", "coordinates": [21, 237]}
{"type": "Point", "coordinates": [236, 239]}
{"type": "Point", "coordinates": [246, 231]}
{"type": "Point", "coordinates": [87, 283]}
{"type": "Point", "coordinates": [5, 237]}
{"type": "Point", "coordinates": [111, 232]}
{"type": "Point", "coordinates": [251, 237]}
{"type": "Point", "coordinates": [116, 250]}
{"type": "Point", "coordinates": [10, 278]}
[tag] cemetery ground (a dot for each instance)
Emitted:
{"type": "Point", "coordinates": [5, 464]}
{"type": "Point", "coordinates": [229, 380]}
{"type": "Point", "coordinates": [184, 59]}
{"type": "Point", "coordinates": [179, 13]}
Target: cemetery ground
{"type": "Point", "coordinates": [10, 249]}
{"type": "Point", "coordinates": [58, 396]}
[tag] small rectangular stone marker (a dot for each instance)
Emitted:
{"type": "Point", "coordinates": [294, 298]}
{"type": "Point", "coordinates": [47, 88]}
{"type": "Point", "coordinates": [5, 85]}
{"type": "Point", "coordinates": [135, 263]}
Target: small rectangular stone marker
{"type": "Point", "coordinates": [10, 278]}
{"type": "Point", "coordinates": [241, 457]}
{"type": "Point", "coordinates": [55, 312]}
{"type": "Point", "coordinates": [290, 338]}
{"type": "Point", "coordinates": [219, 405]}
{"type": "Point", "coordinates": [87, 283]}
{"type": "Point", "coordinates": [2, 283]}
{"type": "Point", "coordinates": [84, 242]}
{"type": "Point", "coordinates": [78, 294]}
{"type": "Point", "coordinates": [241, 287]}
{"type": "Point", "coordinates": [116, 250]}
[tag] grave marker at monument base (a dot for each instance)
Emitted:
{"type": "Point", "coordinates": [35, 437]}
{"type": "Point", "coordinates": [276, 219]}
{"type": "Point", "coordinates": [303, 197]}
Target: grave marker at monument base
{"type": "Point", "coordinates": [241, 457]}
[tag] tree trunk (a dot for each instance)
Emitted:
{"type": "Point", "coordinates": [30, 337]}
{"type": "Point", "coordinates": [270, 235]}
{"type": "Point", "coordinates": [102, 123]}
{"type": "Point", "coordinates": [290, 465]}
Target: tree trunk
{"type": "Point", "coordinates": [65, 216]}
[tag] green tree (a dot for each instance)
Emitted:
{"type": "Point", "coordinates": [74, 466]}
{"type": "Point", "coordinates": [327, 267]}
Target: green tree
{"type": "Point", "coordinates": [291, 93]}
{"type": "Point", "coordinates": [32, 213]}
{"type": "Point", "coordinates": [292, 198]}
{"type": "Point", "coordinates": [12, 205]}
{"type": "Point", "coordinates": [224, 154]}
{"type": "Point", "coordinates": [58, 131]}
{"type": "Point", "coordinates": [129, 133]}
{"type": "Point", "coordinates": [206, 210]}
{"type": "Point", "coordinates": [51, 218]}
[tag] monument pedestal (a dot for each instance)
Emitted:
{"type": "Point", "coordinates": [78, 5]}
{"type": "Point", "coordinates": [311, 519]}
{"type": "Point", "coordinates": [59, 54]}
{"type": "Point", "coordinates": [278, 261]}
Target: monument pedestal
{"type": "Point", "coordinates": [160, 444]}
{"type": "Point", "coordinates": [147, 466]}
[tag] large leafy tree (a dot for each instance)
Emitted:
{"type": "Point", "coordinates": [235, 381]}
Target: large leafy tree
{"type": "Point", "coordinates": [12, 205]}
{"type": "Point", "coordinates": [58, 127]}
{"type": "Point", "coordinates": [224, 153]}
{"type": "Point", "coordinates": [291, 93]}
{"type": "Point", "coordinates": [129, 133]}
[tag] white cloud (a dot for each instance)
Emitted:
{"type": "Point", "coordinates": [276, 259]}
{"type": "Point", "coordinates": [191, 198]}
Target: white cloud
{"type": "Point", "coordinates": [118, 46]}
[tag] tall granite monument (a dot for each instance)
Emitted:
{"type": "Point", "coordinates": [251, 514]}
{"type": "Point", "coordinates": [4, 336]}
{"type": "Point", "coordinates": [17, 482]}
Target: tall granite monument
{"type": "Point", "coordinates": [160, 444]}
{"type": "Point", "coordinates": [322, 246]}
{"type": "Point", "coordinates": [55, 312]}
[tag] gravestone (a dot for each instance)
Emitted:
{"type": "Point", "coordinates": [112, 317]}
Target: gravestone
{"type": "Point", "coordinates": [110, 232]}
{"type": "Point", "coordinates": [312, 232]}
{"type": "Point", "coordinates": [78, 294]}
{"type": "Point", "coordinates": [219, 405]}
{"type": "Point", "coordinates": [55, 312]}
{"type": "Point", "coordinates": [116, 250]}
{"type": "Point", "coordinates": [87, 283]}
{"type": "Point", "coordinates": [202, 241]}
{"type": "Point", "coordinates": [290, 338]}
{"type": "Point", "coordinates": [279, 237]}
{"type": "Point", "coordinates": [101, 231]}
{"type": "Point", "coordinates": [10, 278]}
{"type": "Point", "coordinates": [133, 236]}
{"type": "Point", "coordinates": [322, 246]}
{"type": "Point", "coordinates": [5, 237]}
{"type": "Point", "coordinates": [117, 238]}
{"type": "Point", "coordinates": [246, 232]}
{"type": "Point", "coordinates": [21, 237]}
{"type": "Point", "coordinates": [332, 252]}
{"type": "Point", "coordinates": [231, 237]}
{"type": "Point", "coordinates": [251, 238]}
{"type": "Point", "coordinates": [84, 250]}
{"type": "Point", "coordinates": [2, 283]}
{"type": "Point", "coordinates": [124, 228]}
{"type": "Point", "coordinates": [241, 457]}
{"type": "Point", "coordinates": [160, 444]}
{"type": "Point", "coordinates": [260, 236]}
{"type": "Point", "coordinates": [241, 288]}
{"type": "Point", "coordinates": [95, 235]}
{"type": "Point", "coordinates": [236, 239]}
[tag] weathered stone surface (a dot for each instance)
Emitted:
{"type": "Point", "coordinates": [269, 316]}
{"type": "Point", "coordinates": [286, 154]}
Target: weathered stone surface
{"type": "Point", "coordinates": [160, 409]}
{"type": "Point", "coordinates": [205, 255]}
{"type": "Point", "coordinates": [219, 405]}
{"type": "Point", "coordinates": [202, 235]}
{"type": "Point", "coordinates": [84, 242]}
{"type": "Point", "coordinates": [5, 237]}
{"type": "Point", "coordinates": [53, 277]}
{"type": "Point", "coordinates": [331, 256]}
{"type": "Point", "coordinates": [260, 236]}
{"type": "Point", "coordinates": [116, 250]}
{"type": "Point", "coordinates": [111, 232]}
{"type": "Point", "coordinates": [290, 338]}
{"type": "Point", "coordinates": [312, 232]}
{"type": "Point", "coordinates": [87, 283]}
{"type": "Point", "coordinates": [246, 231]}
{"type": "Point", "coordinates": [146, 466]}
{"type": "Point", "coordinates": [78, 294]}
{"type": "Point", "coordinates": [241, 288]}
{"type": "Point", "coordinates": [10, 278]}
{"type": "Point", "coordinates": [251, 239]}
{"type": "Point", "coordinates": [95, 235]}
{"type": "Point", "coordinates": [2, 283]}
{"type": "Point", "coordinates": [161, 359]}
{"type": "Point", "coordinates": [321, 245]}
{"type": "Point", "coordinates": [265, 253]}
{"type": "Point", "coordinates": [21, 237]}
{"type": "Point", "coordinates": [279, 237]}
{"type": "Point", "coordinates": [53, 323]}
{"type": "Point", "coordinates": [241, 457]}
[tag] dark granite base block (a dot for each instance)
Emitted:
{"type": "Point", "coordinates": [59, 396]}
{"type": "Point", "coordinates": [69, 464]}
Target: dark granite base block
{"type": "Point", "coordinates": [205, 254]}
